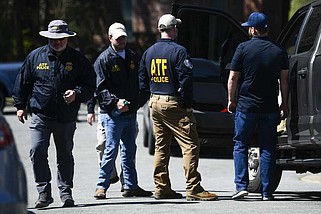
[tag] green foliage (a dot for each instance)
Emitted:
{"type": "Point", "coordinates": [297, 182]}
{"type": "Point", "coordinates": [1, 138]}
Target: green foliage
{"type": "Point", "coordinates": [296, 4]}
{"type": "Point", "coordinates": [21, 20]}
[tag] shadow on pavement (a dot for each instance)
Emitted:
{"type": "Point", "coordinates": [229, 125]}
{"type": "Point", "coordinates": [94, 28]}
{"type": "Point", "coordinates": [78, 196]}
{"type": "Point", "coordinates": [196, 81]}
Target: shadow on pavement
{"type": "Point", "coordinates": [253, 197]}
{"type": "Point", "coordinates": [298, 196]}
{"type": "Point", "coordinates": [155, 202]}
{"type": "Point", "coordinates": [281, 196]}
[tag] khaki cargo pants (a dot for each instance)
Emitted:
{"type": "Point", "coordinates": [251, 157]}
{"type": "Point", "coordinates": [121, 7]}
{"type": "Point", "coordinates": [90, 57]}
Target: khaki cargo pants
{"type": "Point", "coordinates": [170, 120]}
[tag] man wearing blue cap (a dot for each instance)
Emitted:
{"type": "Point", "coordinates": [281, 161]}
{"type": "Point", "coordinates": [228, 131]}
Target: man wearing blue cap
{"type": "Point", "coordinates": [257, 66]}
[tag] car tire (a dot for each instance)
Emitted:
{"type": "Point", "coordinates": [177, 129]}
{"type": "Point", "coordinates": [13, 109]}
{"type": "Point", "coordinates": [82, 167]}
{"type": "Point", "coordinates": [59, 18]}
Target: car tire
{"type": "Point", "coordinates": [2, 100]}
{"type": "Point", "coordinates": [255, 184]}
{"type": "Point", "coordinates": [151, 143]}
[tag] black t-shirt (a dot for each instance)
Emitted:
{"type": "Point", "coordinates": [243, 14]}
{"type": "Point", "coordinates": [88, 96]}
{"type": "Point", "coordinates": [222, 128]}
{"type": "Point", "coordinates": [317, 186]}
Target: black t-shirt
{"type": "Point", "coordinates": [260, 63]}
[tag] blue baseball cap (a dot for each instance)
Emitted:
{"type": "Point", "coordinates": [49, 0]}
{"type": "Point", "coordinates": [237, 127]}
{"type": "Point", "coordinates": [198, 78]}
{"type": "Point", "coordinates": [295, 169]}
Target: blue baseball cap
{"type": "Point", "coordinates": [256, 20]}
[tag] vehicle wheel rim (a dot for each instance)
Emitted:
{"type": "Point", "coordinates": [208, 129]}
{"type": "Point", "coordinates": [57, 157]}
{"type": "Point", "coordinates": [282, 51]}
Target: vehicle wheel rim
{"type": "Point", "coordinates": [253, 163]}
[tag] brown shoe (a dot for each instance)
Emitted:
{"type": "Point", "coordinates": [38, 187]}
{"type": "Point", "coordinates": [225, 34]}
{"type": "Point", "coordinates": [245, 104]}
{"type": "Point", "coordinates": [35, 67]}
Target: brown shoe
{"type": "Point", "coordinates": [201, 196]}
{"type": "Point", "coordinates": [100, 194]}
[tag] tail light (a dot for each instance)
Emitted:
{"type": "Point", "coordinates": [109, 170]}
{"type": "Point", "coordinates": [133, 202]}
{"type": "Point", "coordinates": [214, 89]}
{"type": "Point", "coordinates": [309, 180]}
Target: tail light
{"type": "Point", "coordinates": [224, 110]}
{"type": "Point", "coordinates": [6, 137]}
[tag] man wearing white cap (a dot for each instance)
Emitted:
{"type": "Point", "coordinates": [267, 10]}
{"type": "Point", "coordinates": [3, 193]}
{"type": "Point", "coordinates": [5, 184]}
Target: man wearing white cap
{"type": "Point", "coordinates": [118, 98]}
{"type": "Point", "coordinates": [53, 81]}
{"type": "Point", "coordinates": [166, 72]}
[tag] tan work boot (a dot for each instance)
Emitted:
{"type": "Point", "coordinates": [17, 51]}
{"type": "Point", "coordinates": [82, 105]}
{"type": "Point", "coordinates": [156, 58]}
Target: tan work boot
{"type": "Point", "coordinates": [100, 194]}
{"type": "Point", "coordinates": [201, 196]}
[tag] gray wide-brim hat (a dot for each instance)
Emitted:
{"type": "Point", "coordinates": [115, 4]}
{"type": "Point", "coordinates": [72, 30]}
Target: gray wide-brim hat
{"type": "Point", "coordinates": [57, 29]}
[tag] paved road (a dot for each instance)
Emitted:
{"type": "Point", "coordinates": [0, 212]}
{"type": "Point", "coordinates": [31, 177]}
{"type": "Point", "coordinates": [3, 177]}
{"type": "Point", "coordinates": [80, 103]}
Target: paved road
{"type": "Point", "coordinates": [297, 193]}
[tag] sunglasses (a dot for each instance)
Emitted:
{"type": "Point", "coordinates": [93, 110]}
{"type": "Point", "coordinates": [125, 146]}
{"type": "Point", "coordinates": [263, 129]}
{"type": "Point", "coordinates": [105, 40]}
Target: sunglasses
{"type": "Point", "coordinates": [60, 39]}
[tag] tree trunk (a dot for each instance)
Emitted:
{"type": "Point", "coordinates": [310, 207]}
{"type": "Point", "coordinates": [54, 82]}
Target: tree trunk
{"type": "Point", "coordinates": [16, 12]}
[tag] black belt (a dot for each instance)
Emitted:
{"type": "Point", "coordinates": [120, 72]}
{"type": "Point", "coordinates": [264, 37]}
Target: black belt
{"type": "Point", "coordinates": [164, 97]}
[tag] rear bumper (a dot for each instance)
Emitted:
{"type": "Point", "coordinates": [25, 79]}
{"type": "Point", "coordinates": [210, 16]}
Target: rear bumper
{"type": "Point", "coordinates": [215, 129]}
{"type": "Point", "coordinates": [300, 165]}
{"type": "Point", "coordinates": [300, 158]}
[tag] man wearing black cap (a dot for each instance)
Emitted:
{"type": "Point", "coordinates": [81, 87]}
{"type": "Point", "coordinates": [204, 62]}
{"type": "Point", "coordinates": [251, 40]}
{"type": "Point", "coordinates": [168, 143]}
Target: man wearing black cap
{"type": "Point", "coordinates": [257, 66]}
{"type": "Point", "coordinates": [166, 72]}
{"type": "Point", "coordinates": [53, 81]}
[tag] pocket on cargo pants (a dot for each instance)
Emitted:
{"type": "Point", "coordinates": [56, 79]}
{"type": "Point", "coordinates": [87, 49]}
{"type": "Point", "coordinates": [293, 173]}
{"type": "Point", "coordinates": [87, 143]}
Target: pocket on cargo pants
{"type": "Point", "coordinates": [187, 124]}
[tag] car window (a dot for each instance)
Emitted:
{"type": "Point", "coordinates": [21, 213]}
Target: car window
{"type": "Point", "coordinates": [203, 66]}
{"type": "Point", "coordinates": [205, 35]}
{"type": "Point", "coordinates": [310, 30]}
{"type": "Point", "coordinates": [291, 40]}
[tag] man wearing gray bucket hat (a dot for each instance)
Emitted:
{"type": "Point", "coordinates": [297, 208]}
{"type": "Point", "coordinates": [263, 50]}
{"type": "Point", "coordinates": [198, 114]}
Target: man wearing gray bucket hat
{"type": "Point", "coordinates": [53, 81]}
{"type": "Point", "coordinates": [57, 29]}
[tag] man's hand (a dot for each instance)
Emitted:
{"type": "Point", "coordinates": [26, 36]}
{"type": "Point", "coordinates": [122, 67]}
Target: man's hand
{"type": "Point", "coordinates": [22, 115]}
{"type": "Point", "coordinates": [122, 106]}
{"type": "Point", "coordinates": [284, 109]}
{"type": "Point", "coordinates": [189, 109]}
{"type": "Point", "coordinates": [231, 106]}
{"type": "Point", "coordinates": [91, 118]}
{"type": "Point", "coordinates": [69, 96]}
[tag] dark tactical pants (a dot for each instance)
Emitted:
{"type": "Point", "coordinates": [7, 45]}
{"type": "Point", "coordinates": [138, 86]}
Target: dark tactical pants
{"type": "Point", "coordinates": [63, 134]}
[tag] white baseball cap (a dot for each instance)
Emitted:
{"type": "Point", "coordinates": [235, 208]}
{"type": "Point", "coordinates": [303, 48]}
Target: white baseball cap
{"type": "Point", "coordinates": [167, 21]}
{"type": "Point", "coordinates": [117, 30]}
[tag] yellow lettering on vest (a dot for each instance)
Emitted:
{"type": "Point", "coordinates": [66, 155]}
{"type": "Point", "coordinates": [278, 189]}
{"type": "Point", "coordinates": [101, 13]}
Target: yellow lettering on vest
{"type": "Point", "coordinates": [159, 79]}
{"type": "Point", "coordinates": [158, 69]}
{"type": "Point", "coordinates": [164, 66]}
{"type": "Point", "coordinates": [158, 63]}
{"type": "Point", "coordinates": [42, 66]}
{"type": "Point", "coordinates": [153, 68]}
{"type": "Point", "coordinates": [115, 68]}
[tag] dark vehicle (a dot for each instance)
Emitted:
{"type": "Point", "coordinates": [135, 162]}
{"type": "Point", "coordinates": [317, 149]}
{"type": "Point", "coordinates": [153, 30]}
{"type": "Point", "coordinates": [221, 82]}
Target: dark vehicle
{"type": "Point", "coordinates": [214, 124]}
{"type": "Point", "coordinates": [13, 184]}
{"type": "Point", "coordinates": [213, 36]}
{"type": "Point", "coordinates": [8, 73]}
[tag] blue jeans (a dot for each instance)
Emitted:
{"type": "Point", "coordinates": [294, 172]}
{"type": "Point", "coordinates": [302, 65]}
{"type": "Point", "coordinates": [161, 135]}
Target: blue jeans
{"type": "Point", "coordinates": [245, 125]}
{"type": "Point", "coordinates": [120, 130]}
